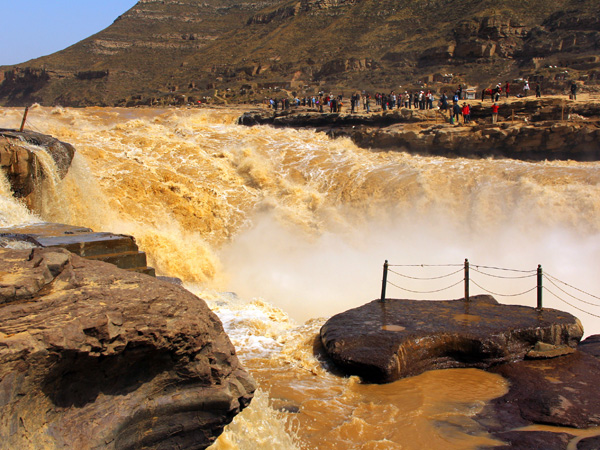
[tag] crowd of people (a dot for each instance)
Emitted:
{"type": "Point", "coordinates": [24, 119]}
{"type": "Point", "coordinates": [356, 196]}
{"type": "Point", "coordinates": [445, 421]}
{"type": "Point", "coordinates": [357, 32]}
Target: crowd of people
{"type": "Point", "coordinates": [455, 105]}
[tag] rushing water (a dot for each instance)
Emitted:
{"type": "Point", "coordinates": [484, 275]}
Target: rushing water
{"type": "Point", "coordinates": [298, 226]}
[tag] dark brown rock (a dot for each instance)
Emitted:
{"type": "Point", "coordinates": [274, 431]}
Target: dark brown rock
{"type": "Point", "coordinates": [592, 443]}
{"type": "Point", "coordinates": [92, 356]}
{"type": "Point", "coordinates": [528, 440]}
{"type": "Point", "coordinates": [591, 345]}
{"type": "Point", "coordinates": [385, 341]}
{"type": "Point", "coordinates": [21, 164]}
{"type": "Point", "coordinates": [560, 392]}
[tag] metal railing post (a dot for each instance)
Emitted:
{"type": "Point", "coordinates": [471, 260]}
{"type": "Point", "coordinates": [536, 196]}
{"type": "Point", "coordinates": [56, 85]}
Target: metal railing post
{"type": "Point", "coordinates": [467, 280]}
{"type": "Point", "coordinates": [384, 281]}
{"type": "Point", "coordinates": [539, 286]}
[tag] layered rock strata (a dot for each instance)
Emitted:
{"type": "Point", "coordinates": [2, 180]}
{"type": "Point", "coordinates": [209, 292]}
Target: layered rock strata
{"type": "Point", "coordinates": [385, 341]}
{"type": "Point", "coordinates": [531, 142]}
{"type": "Point", "coordinates": [118, 249]}
{"type": "Point", "coordinates": [174, 51]}
{"type": "Point", "coordinates": [528, 130]}
{"type": "Point", "coordinates": [95, 357]}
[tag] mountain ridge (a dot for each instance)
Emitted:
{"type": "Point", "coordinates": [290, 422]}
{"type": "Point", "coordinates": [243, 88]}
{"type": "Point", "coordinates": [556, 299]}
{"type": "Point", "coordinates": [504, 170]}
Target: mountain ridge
{"type": "Point", "coordinates": [178, 51]}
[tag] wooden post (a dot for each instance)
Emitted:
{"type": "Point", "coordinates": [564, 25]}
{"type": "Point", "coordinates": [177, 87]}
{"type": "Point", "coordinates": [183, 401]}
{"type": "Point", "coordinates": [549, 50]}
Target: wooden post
{"type": "Point", "coordinates": [539, 286]}
{"type": "Point", "coordinates": [24, 119]}
{"type": "Point", "coordinates": [384, 281]}
{"type": "Point", "coordinates": [467, 280]}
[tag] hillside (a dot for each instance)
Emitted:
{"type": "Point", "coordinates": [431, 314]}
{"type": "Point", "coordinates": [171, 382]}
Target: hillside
{"type": "Point", "coordinates": [177, 51]}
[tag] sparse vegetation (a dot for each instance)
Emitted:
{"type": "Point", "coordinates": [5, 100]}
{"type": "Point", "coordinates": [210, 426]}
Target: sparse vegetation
{"type": "Point", "coordinates": [306, 46]}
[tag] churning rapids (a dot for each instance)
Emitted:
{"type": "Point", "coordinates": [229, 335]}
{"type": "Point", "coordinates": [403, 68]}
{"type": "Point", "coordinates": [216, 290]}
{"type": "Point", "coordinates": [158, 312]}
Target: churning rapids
{"type": "Point", "coordinates": [279, 229]}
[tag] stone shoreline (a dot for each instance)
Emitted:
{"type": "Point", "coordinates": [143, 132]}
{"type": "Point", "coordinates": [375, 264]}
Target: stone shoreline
{"type": "Point", "coordinates": [528, 129]}
{"type": "Point", "coordinates": [552, 376]}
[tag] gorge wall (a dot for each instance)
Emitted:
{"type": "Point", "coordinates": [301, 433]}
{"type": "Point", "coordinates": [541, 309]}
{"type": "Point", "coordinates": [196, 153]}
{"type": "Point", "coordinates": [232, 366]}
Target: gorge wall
{"type": "Point", "coordinates": [180, 51]}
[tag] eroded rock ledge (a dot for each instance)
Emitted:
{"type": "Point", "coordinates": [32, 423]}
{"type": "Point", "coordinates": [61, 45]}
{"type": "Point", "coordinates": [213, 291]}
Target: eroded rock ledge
{"type": "Point", "coordinates": [92, 356]}
{"type": "Point", "coordinates": [385, 341]}
{"type": "Point", "coordinates": [542, 129]}
{"type": "Point", "coordinates": [20, 163]}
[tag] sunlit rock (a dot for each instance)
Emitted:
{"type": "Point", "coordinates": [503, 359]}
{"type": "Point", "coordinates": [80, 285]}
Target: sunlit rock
{"type": "Point", "coordinates": [92, 356]}
{"type": "Point", "coordinates": [118, 249]}
{"type": "Point", "coordinates": [540, 132]}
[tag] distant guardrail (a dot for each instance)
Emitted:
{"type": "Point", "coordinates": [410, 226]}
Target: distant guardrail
{"type": "Point", "coordinates": [462, 274]}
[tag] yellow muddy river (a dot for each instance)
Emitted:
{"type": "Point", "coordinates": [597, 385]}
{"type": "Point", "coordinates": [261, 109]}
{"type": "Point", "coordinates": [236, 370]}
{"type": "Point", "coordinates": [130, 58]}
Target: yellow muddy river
{"type": "Point", "coordinates": [279, 229]}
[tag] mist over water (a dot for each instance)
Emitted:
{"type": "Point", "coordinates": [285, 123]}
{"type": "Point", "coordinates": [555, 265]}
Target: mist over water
{"type": "Point", "coordinates": [298, 227]}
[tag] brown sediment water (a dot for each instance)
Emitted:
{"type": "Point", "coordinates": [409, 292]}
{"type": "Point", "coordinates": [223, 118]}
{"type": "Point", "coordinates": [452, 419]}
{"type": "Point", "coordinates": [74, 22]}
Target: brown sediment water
{"type": "Point", "coordinates": [298, 226]}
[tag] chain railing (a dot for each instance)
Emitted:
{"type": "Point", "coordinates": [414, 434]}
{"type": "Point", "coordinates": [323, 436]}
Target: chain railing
{"type": "Point", "coordinates": [566, 289]}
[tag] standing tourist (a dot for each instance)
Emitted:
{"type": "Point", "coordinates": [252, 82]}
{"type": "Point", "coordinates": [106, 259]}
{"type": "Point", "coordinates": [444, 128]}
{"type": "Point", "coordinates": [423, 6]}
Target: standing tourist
{"type": "Point", "coordinates": [507, 89]}
{"type": "Point", "coordinates": [455, 113]}
{"type": "Point", "coordinates": [466, 112]}
{"type": "Point", "coordinates": [495, 113]}
{"type": "Point", "coordinates": [429, 100]}
{"type": "Point", "coordinates": [573, 91]}
{"type": "Point", "coordinates": [526, 88]}
{"type": "Point", "coordinates": [444, 102]}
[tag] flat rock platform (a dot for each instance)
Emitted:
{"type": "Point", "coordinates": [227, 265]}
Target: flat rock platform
{"type": "Point", "coordinates": [118, 249]}
{"type": "Point", "coordinates": [385, 341]}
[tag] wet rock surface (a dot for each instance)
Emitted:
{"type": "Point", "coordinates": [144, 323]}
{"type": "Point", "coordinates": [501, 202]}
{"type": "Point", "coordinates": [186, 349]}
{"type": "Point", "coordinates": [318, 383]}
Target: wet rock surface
{"type": "Point", "coordinates": [385, 341]}
{"type": "Point", "coordinates": [20, 163]}
{"type": "Point", "coordinates": [591, 345]}
{"type": "Point", "coordinates": [553, 401]}
{"type": "Point", "coordinates": [560, 392]}
{"type": "Point", "coordinates": [92, 356]}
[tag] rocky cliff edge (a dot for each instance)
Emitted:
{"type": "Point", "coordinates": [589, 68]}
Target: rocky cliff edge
{"type": "Point", "coordinates": [95, 357]}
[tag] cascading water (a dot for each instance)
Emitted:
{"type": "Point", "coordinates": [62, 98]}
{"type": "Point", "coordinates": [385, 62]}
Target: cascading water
{"type": "Point", "coordinates": [298, 226]}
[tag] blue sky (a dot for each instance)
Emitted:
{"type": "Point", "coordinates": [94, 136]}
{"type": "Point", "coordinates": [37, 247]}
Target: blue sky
{"type": "Point", "coordinates": [33, 28]}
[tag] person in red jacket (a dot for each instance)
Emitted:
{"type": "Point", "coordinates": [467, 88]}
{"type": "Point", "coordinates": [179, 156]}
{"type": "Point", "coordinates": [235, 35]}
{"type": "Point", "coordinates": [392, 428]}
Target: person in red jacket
{"type": "Point", "coordinates": [495, 113]}
{"type": "Point", "coordinates": [466, 112]}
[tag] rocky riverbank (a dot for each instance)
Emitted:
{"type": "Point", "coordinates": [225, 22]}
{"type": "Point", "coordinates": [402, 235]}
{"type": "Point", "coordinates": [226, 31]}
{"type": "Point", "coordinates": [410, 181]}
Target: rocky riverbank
{"type": "Point", "coordinates": [552, 377]}
{"type": "Point", "coordinates": [92, 356]}
{"type": "Point", "coordinates": [528, 129]}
